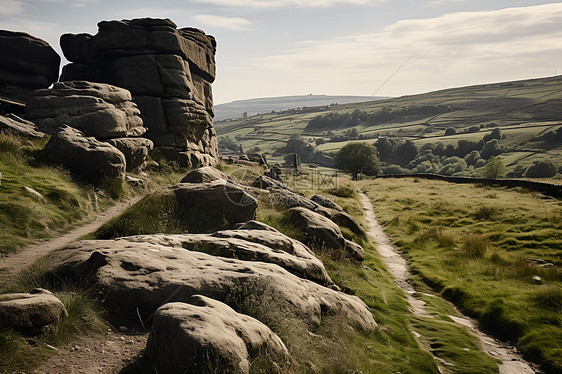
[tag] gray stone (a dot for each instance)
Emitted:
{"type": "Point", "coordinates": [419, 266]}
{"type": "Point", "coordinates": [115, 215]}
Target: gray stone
{"type": "Point", "coordinates": [320, 230]}
{"type": "Point", "coordinates": [99, 110]}
{"type": "Point", "coordinates": [90, 159]}
{"type": "Point", "coordinates": [205, 334]}
{"type": "Point", "coordinates": [20, 127]}
{"type": "Point", "coordinates": [204, 175]}
{"type": "Point", "coordinates": [135, 151]}
{"type": "Point", "coordinates": [32, 313]}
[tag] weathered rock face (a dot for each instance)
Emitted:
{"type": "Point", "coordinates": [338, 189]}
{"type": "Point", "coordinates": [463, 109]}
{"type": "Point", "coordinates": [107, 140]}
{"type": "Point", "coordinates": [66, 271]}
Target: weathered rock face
{"type": "Point", "coordinates": [27, 63]}
{"type": "Point", "coordinates": [249, 245]}
{"type": "Point", "coordinates": [20, 127]}
{"type": "Point", "coordinates": [207, 335]}
{"type": "Point", "coordinates": [139, 277]}
{"type": "Point", "coordinates": [32, 313]}
{"type": "Point", "coordinates": [90, 159]}
{"type": "Point", "coordinates": [169, 71]}
{"type": "Point", "coordinates": [99, 110]}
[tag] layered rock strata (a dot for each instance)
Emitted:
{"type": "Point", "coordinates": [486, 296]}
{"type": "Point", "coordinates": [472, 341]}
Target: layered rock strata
{"type": "Point", "coordinates": [168, 70]}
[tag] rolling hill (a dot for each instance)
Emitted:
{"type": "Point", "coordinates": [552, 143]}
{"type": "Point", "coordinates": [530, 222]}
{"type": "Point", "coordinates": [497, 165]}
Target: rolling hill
{"type": "Point", "coordinates": [524, 111]}
{"type": "Point", "coordinates": [252, 107]}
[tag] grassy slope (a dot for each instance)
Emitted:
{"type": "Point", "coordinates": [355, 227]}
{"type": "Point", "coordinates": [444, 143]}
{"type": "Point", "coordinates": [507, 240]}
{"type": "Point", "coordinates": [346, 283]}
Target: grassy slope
{"type": "Point", "coordinates": [472, 244]}
{"type": "Point", "coordinates": [522, 110]}
{"type": "Point", "coordinates": [392, 348]}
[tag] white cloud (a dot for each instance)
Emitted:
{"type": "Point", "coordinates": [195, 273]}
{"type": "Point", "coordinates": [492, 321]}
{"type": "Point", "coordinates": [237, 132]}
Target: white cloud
{"type": "Point", "coordinates": [286, 3]}
{"type": "Point", "coordinates": [11, 8]}
{"type": "Point", "coordinates": [454, 49]}
{"type": "Point", "coordinates": [231, 23]}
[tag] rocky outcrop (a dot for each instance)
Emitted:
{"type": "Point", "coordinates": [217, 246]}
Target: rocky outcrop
{"type": "Point", "coordinates": [205, 335]}
{"type": "Point", "coordinates": [185, 207]}
{"type": "Point", "coordinates": [248, 245]}
{"type": "Point", "coordinates": [136, 278]}
{"type": "Point", "coordinates": [98, 110]}
{"type": "Point", "coordinates": [27, 63]}
{"type": "Point", "coordinates": [91, 160]}
{"type": "Point", "coordinates": [20, 127]}
{"type": "Point", "coordinates": [326, 202]}
{"type": "Point", "coordinates": [169, 71]}
{"type": "Point", "coordinates": [31, 313]}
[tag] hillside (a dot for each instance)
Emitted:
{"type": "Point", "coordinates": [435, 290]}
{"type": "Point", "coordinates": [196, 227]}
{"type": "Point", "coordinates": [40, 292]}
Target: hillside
{"type": "Point", "coordinates": [252, 107]}
{"type": "Point", "coordinates": [522, 110]}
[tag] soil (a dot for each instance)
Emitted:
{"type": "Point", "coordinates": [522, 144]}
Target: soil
{"type": "Point", "coordinates": [512, 362]}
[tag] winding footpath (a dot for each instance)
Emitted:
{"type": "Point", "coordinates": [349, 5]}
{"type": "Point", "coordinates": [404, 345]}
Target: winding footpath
{"type": "Point", "coordinates": [512, 362]}
{"type": "Point", "coordinates": [12, 264]}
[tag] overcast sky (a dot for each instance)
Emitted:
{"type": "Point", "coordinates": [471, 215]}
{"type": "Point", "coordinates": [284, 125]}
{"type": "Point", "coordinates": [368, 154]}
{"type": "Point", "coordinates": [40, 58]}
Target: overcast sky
{"type": "Point", "coordinates": [335, 47]}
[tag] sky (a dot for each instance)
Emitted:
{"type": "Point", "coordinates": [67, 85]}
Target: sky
{"type": "Point", "coordinates": [269, 48]}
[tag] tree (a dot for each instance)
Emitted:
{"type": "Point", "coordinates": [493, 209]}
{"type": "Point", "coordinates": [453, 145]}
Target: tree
{"type": "Point", "coordinates": [541, 169]}
{"type": "Point", "coordinates": [356, 157]}
{"type": "Point", "coordinates": [494, 168]}
{"type": "Point", "coordinates": [450, 131]}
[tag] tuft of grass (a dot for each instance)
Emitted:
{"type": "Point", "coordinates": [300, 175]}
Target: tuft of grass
{"type": "Point", "coordinates": [85, 317]}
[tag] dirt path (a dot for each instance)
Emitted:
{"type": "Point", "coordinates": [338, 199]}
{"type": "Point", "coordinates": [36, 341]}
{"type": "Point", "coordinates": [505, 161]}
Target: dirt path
{"type": "Point", "coordinates": [14, 263]}
{"type": "Point", "coordinates": [512, 362]}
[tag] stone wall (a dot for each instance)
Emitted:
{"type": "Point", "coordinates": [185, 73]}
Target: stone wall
{"type": "Point", "coordinates": [168, 71]}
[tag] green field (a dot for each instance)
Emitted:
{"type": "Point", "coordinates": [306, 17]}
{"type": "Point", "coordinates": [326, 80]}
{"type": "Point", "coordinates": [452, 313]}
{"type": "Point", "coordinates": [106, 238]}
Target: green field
{"type": "Point", "coordinates": [523, 110]}
{"type": "Point", "coordinates": [495, 252]}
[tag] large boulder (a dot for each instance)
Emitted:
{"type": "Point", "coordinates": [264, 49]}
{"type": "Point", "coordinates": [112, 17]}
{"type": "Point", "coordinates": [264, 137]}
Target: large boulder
{"type": "Point", "coordinates": [136, 278]}
{"type": "Point", "coordinates": [204, 175]}
{"type": "Point", "coordinates": [326, 202]}
{"type": "Point", "coordinates": [265, 182]}
{"type": "Point", "coordinates": [185, 207]}
{"type": "Point", "coordinates": [20, 127]}
{"type": "Point", "coordinates": [90, 159]}
{"type": "Point", "coordinates": [135, 151]}
{"type": "Point", "coordinates": [27, 63]}
{"type": "Point", "coordinates": [206, 335]}
{"type": "Point", "coordinates": [320, 231]}
{"type": "Point", "coordinates": [31, 313]}
{"type": "Point", "coordinates": [174, 95]}
{"type": "Point", "coordinates": [99, 110]}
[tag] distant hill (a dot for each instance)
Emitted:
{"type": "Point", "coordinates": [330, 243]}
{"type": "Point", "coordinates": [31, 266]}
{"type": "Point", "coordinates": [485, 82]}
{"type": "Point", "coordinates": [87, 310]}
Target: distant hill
{"type": "Point", "coordinates": [236, 109]}
{"type": "Point", "coordinates": [528, 113]}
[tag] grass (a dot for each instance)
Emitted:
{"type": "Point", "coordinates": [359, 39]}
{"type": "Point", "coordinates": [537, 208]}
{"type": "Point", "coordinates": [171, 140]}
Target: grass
{"type": "Point", "coordinates": [473, 245]}
{"type": "Point", "coordinates": [19, 353]}
{"type": "Point", "coordinates": [393, 347]}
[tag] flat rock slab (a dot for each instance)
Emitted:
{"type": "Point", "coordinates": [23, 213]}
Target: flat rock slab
{"type": "Point", "coordinates": [31, 313]}
{"type": "Point", "coordinates": [204, 334]}
{"type": "Point", "coordinates": [137, 278]}
{"type": "Point", "coordinates": [20, 127]}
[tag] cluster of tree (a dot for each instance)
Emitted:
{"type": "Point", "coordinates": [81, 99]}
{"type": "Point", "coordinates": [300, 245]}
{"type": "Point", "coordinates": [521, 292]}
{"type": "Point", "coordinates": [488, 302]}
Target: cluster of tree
{"type": "Point", "coordinates": [306, 151]}
{"type": "Point", "coordinates": [554, 136]}
{"type": "Point", "coordinates": [228, 143]}
{"type": "Point", "coordinates": [402, 157]}
{"type": "Point", "coordinates": [334, 120]}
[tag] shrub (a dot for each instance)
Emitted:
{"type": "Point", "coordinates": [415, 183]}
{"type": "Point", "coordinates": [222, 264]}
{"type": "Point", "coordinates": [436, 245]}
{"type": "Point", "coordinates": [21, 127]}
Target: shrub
{"type": "Point", "coordinates": [450, 131]}
{"type": "Point", "coordinates": [474, 246]}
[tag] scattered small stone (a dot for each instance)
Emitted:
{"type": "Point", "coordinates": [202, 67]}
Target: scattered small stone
{"type": "Point", "coordinates": [536, 279]}
{"type": "Point", "coordinates": [130, 342]}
